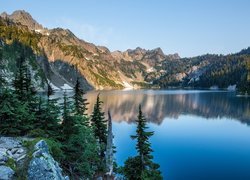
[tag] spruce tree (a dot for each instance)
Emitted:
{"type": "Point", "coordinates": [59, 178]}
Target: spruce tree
{"type": "Point", "coordinates": [80, 103]}
{"type": "Point", "coordinates": [143, 145]}
{"type": "Point", "coordinates": [15, 118]}
{"type": "Point", "coordinates": [81, 152]}
{"type": "Point", "coordinates": [79, 143]}
{"type": "Point", "coordinates": [48, 116]}
{"type": "Point", "coordinates": [99, 127]}
{"type": "Point", "coordinates": [50, 91]}
{"type": "Point", "coordinates": [99, 123]}
{"type": "Point", "coordinates": [68, 123]}
{"type": "Point", "coordinates": [2, 80]}
{"type": "Point", "coordinates": [142, 164]}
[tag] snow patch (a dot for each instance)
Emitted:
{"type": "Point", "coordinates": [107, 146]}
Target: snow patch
{"type": "Point", "coordinates": [38, 30]}
{"type": "Point", "coordinates": [54, 87]}
{"type": "Point", "coordinates": [231, 87]}
{"type": "Point", "coordinates": [66, 87]}
{"type": "Point", "coordinates": [151, 70]}
{"type": "Point", "coordinates": [127, 85]}
{"type": "Point", "coordinates": [214, 88]}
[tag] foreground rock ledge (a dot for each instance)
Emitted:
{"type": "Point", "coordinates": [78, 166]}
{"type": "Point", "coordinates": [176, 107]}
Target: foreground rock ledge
{"type": "Point", "coordinates": [43, 166]}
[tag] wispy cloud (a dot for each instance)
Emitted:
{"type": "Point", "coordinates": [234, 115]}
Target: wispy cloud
{"type": "Point", "coordinates": [88, 32]}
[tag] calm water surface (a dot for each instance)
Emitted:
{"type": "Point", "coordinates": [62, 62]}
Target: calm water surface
{"type": "Point", "coordinates": [198, 134]}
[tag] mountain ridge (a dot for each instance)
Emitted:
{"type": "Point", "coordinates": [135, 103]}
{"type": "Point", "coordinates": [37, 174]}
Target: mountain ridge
{"type": "Point", "coordinates": [101, 69]}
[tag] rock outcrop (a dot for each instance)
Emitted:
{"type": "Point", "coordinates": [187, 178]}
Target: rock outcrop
{"type": "Point", "coordinates": [43, 166]}
{"type": "Point", "coordinates": [11, 148]}
{"type": "Point", "coordinates": [11, 153]}
{"type": "Point", "coordinates": [14, 157]}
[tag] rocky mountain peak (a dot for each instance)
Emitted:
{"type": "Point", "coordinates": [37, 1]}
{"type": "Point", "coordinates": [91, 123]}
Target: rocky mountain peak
{"type": "Point", "coordinates": [4, 15]}
{"type": "Point", "coordinates": [158, 51]}
{"type": "Point", "coordinates": [23, 18]}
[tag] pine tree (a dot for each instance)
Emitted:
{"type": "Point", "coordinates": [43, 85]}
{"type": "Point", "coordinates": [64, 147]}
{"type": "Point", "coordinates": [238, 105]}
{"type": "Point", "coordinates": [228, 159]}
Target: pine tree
{"type": "Point", "coordinates": [50, 91]}
{"type": "Point", "coordinates": [143, 145]}
{"type": "Point", "coordinates": [82, 153]}
{"type": "Point", "coordinates": [68, 124]}
{"type": "Point", "coordinates": [80, 103]}
{"type": "Point", "coordinates": [99, 126]}
{"type": "Point", "coordinates": [142, 164]}
{"type": "Point", "coordinates": [48, 117]}
{"type": "Point", "coordinates": [98, 121]}
{"type": "Point", "coordinates": [79, 142]}
{"type": "Point", "coordinates": [2, 80]}
{"type": "Point", "coordinates": [15, 118]}
{"type": "Point", "coordinates": [22, 79]}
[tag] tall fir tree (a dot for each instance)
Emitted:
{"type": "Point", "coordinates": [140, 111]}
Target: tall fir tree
{"type": "Point", "coordinates": [99, 126]}
{"type": "Point", "coordinates": [142, 164]}
{"type": "Point", "coordinates": [82, 152]}
{"type": "Point", "coordinates": [22, 82]}
{"type": "Point", "coordinates": [143, 145]}
{"type": "Point", "coordinates": [98, 122]}
{"type": "Point", "coordinates": [79, 142]}
{"type": "Point", "coordinates": [15, 118]}
{"type": "Point", "coordinates": [48, 116]}
{"type": "Point", "coordinates": [80, 103]}
{"type": "Point", "coordinates": [2, 80]}
{"type": "Point", "coordinates": [68, 124]}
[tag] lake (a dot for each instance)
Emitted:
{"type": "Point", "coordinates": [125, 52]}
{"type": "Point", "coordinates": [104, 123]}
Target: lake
{"type": "Point", "coordinates": [198, 134]}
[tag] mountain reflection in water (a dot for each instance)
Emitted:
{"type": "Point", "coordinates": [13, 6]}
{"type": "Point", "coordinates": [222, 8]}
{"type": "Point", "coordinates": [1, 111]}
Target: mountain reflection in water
{"type": "Point", "coordinates": [158, 104]}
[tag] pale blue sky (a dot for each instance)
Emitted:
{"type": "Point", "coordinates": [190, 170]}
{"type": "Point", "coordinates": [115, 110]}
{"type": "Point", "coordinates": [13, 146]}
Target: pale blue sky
{"type": "Point", "coordinates": [188, 27]}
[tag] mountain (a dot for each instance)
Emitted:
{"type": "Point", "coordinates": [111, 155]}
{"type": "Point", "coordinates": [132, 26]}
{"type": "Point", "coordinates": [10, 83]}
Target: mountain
{"type": "Point", "coordinates": [58, 52]}
{"type": "Point", "coordinates": [23, 18]}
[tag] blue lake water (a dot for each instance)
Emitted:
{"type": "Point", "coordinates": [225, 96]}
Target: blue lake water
{"type": "Point", "coordinates": [198, 134]}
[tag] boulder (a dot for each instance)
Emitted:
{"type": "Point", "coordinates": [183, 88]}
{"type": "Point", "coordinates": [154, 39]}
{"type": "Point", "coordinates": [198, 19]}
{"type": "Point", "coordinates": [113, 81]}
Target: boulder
{"type": "Point", "coordinates": [6, 173]}
{"type": "Point", "coordinates": [43, 166]}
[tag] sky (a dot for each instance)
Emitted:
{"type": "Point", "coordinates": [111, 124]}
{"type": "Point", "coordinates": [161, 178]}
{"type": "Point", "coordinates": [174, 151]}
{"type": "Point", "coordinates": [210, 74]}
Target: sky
{"type": "Point", "coordinates": [187, 27]}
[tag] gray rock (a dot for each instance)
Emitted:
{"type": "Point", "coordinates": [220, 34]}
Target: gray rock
{"type": "Point", "coordinates": [9, 153]}
{"type": "Point", "coordinates": [21, 157]}
{"type": "Point", "coordinates": [3, 150]}
{"type": "Point", "coordinates": [43, 166]}
{"type": "Point", "coordinates": [20, 151]}
{"type": "Point", "coordinates": [3, 157]}
{"type": "Point", "coordinates": [6, 173]}
{"type": "Point", "coordinates": [9, 142]}
{"type": "Point", "coordinates": [16, 156]}
{"type": "Point", "coordinates": [14, 150]}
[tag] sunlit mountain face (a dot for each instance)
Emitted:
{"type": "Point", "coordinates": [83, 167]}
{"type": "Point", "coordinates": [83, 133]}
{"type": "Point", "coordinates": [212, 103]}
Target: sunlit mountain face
{"type": "Point", "coordinates": [160, 104]}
